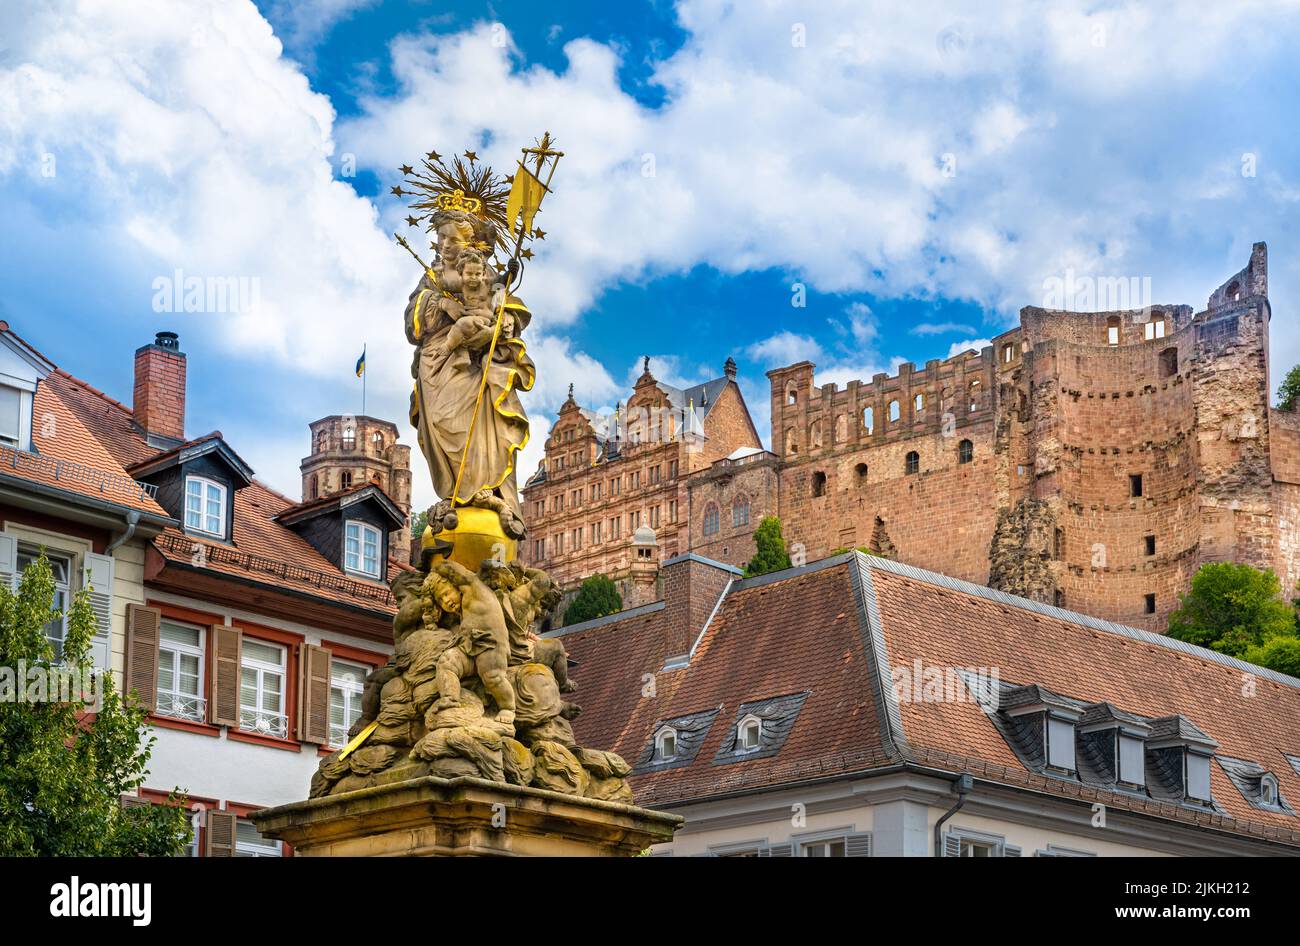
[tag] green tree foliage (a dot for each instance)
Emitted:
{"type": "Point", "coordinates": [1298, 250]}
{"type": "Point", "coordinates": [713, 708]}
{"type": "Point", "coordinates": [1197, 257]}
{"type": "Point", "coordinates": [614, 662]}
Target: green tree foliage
{"type": "Point", "coordinates": [1289, 390]}
{"type": "Point", "coordinates": [65, 765]}
{"type": "Point", "coordinates": [419, 523]}
{"type": "Point", "coordinates": [1277, 653]}
{"type": "Point", "coordinates": [770, 554]}
{"type": "Point", "coordinates": [597, 597]}
{"type": "Point", "coordinates": [1231, 608]}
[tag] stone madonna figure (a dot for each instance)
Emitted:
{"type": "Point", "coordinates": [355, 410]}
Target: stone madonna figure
{"type": "Point", "coordinates": [449, 365]}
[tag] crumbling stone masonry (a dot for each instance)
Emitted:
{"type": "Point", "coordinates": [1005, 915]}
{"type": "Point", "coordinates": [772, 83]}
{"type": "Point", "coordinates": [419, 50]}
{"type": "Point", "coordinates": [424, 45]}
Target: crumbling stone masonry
{"type": "Point", "coordinates": [1091, 460]}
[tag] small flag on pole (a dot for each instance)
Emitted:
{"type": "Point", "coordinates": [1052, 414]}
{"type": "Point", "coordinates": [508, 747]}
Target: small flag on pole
{"type": "Point", "coordinates": [361, 363]}
{"type": "Point", "coordinates": [525, 197]}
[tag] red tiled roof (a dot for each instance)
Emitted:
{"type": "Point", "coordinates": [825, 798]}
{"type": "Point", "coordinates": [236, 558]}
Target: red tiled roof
{"type": "Point", "coordinates": [1148, 677]}
{"type": "Point", "coordinates": [806, 630]}
{"type": "Point", "coordinates": [71, 458]}
{"type": "Point", "coordinates": [751, 652]}
{"type": "Point", "coordinates": [109, 433]}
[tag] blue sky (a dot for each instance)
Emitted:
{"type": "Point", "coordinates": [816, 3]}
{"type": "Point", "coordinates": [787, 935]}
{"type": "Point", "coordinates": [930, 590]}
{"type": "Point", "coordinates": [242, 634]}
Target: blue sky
{"type": "Point", "coordinates": [916, 173]}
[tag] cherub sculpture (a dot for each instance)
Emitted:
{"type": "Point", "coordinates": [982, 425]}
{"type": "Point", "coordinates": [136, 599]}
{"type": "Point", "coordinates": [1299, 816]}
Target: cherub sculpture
{"type": "Point", "coordinates": [483, 643]}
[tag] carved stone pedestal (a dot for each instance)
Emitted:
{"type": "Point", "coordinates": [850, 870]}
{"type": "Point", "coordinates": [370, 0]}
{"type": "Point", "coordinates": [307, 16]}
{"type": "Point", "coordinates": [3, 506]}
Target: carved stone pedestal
{"type": "Point", "coordinates": [435, 817]}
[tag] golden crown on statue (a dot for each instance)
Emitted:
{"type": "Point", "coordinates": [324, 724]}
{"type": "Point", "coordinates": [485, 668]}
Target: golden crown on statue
{"type": "Point", "coordinates": [457, 200]}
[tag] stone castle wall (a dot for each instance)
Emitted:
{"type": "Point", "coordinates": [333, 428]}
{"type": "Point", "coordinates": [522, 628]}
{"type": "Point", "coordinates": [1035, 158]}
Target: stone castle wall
{"type": "Point", "coordinates": [1089, 460]}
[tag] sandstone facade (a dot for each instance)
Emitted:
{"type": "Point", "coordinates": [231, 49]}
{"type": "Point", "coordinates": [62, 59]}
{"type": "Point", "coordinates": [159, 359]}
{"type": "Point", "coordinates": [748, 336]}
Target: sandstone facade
{"type": "Point", "coordinates": [1088, 460]}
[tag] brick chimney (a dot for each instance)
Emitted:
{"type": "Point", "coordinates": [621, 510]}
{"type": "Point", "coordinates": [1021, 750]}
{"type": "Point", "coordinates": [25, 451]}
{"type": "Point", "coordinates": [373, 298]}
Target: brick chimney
{"type": "Point", "coordinates": [159, 404]}
{"type": "Point", "coordinates": [693, 585]}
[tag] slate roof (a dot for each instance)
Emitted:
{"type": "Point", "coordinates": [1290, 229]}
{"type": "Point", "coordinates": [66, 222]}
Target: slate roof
{"type": "Point", "coordinates": [836, 628]}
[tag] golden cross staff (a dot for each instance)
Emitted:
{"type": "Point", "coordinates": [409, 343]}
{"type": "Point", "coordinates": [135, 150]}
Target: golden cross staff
{"type": "Point", "coordinates": [526, 192]}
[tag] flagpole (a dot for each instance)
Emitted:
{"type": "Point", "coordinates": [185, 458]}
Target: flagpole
{"type": "Point", "coordinates": [363, 379]}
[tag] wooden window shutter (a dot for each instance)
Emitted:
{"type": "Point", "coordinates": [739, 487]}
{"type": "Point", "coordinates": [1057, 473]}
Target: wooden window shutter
{"type": "Point", "coordinates": [221, 833]}
{"type": "Point", "coordinates": [1010, 850]}
{"type": "Point", "coordinates": [227, 653]}
{"type": "Point", "coordinates": [97, 578]}
{"type": "Point", "coordinates": [857, 845]}
{"type": "Point", "coordinates": [951, 845]}
{"type": "Point", "coordinates": [143, 627]}
{"type": "Point", "coordinates": [8, 560]}
{"type": "Point", "coordinates": [314, 693]}
{"type": "Point", "coordinates": [781, 850]}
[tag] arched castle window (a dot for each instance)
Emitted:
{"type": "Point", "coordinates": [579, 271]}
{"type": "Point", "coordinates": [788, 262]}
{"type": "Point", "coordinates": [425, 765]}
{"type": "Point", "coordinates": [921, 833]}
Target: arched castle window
{"type": "Point", "coordinates": [791, 443]}
{"type": "Point", "coordinates": [860, 474]}
{"type": "Point", "coordinates": [345, 479]}
{"type": "Point", "coordinates": [819, 483]}
{"type": "Point", "coordinates": [740, 511]}
{"type": "Point", "coordinates": [893, 412]}
{"type": "Point", "coordinates": [315, 487]}
{"type": "Point", "coordinates": [913, 462]}
{"type": "Point", "coordinates": [792, 397]}
{"type": "Point", "coordinates": [965, 451]}
{"type": "Point", "coordinates": [1234, 292]}
{"type": "Point", "coordinates": [711, 519]}
{"type": "Point", "coordinates": [1112, 330]}
{"type": "Point", "coordinates": [974, 394]}
{"type": "Point", "coordinates": [1008, 353]}
{"type": "Point", "coordinates": [349, 438]}
{"type": "Point", "coordinates": [918, 403]}
{"type": "Point", "coordinates": [869, 420]}
{"type": "Point", "coordinates": [377, 438]}
{"type": "Point", "coordinates": [322, 441]}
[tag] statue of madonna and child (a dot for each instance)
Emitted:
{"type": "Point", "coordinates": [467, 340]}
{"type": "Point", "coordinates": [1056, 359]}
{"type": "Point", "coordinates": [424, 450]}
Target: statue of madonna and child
{"type": "Point", "coordinates": [472, 689]}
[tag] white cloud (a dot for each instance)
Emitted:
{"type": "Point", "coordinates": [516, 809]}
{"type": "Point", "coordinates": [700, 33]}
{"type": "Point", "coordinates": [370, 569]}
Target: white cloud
{"type": "Point", "coordinates": [184, 138]}
{"type": "Point", "coordinates": [304, 23]}
{"type": "Point", "coordinates": [785, 348]}
{"type": "Point", "coordinates": [939, 328]}
{"type": "Point", "coordinates": [973, 344]}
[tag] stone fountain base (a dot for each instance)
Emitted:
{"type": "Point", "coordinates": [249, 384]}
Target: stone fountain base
{"type": "Point", "coordinates": [460, 817]}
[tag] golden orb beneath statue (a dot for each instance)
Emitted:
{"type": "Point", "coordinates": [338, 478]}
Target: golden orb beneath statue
{"type": "Point", "coordinates": [477, 536]}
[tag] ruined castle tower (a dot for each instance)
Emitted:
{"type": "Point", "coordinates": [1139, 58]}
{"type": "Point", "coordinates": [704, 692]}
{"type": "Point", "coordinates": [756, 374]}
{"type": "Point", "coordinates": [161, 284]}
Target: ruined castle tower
{"type": "Point", "coordinates": [351, 450]}
{"type": "Point", "coordinates": [1089, 460]}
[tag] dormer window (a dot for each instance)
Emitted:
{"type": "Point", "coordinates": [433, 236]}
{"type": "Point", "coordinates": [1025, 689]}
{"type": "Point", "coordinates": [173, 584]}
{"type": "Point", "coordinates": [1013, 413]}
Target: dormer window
{"type": "Point", "coordinates": [1197, 776]}
{"type": "Point", "coordinates": [205, 506]}
{"type": "Point", "coordinates": [1268, 789]}
{"type": "Point", "coordinates": [749, 734]}
{"type": "Point", "coordinates": [11, 413]}
{"type": "Point", "coordinates": [665, 744]}
{"type": "Point", "coordinates": [1132, 760]}
{"type": "Point", "coordinates": [361, 549]}
{"type": "Point", "coordinates": [1060, 743]}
